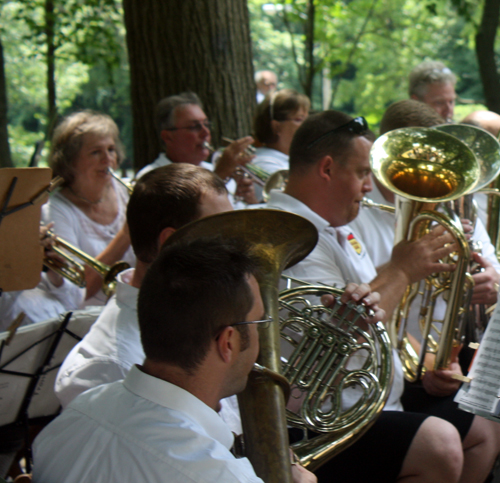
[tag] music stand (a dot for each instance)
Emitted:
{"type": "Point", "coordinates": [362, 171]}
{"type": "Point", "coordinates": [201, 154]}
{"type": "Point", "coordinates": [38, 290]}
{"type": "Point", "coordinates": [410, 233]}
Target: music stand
{"type": "Point", "coordinates": [28, 368]}
{"type": "Point", "coordinates": [22, 191]}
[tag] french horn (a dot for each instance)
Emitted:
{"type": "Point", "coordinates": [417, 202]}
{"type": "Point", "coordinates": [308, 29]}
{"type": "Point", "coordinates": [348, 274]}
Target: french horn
{"type": "Point", "coordinates": [339, 369]}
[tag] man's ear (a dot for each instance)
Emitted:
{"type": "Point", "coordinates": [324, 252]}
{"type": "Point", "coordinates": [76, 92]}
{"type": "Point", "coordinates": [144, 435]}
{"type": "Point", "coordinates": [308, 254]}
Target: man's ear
{"type": "Point", "coordinates": [327, 168]}
{"type": "Point", "coordinates": [164, 234]}
{"type": "Point", "coordinates": [228, 344]}
{"type": "Point", "coordinates": [166, 136]}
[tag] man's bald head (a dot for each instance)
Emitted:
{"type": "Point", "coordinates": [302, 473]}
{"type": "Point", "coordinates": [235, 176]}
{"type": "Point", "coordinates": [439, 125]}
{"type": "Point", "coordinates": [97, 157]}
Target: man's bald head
{"type": "Point", "coordinates": [488, 120]}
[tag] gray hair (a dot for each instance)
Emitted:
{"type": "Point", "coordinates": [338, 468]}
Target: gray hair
{"type": "Point", "coordinates": [166, 108]}
{"type": "Point", "coordinates": [429, 72]}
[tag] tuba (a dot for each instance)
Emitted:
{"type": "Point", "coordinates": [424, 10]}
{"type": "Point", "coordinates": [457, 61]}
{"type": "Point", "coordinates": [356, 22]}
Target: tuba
{"type": "Point", "coordinates": [305, 353]}
{"type": "Point", "coordinates": [278, 240]}
{"type": "Point", "coordinates": [424, 167]}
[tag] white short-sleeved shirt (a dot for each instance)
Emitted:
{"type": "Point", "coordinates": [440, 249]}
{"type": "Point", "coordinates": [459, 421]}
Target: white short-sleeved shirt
{"type": "Point", "coordinates": [139, 429]}
{"type": "Point", "coordinates": [44, 302]}
{"type": "Point", "coordinates": [270, 160]}
{"type": "Point", "coordinates": [75, 227]}
{"type": "Point", "coordinates": [338, 258]}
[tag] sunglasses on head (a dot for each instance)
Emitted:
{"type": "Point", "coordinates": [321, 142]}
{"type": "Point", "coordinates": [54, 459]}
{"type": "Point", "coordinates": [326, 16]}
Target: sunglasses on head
{"type": "Point", "coordinates": [357, 125]}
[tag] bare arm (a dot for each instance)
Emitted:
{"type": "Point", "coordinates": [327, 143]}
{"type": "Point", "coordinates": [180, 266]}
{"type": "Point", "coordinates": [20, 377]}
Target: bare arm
{"type": "Point", "coordinates": [111, 254]}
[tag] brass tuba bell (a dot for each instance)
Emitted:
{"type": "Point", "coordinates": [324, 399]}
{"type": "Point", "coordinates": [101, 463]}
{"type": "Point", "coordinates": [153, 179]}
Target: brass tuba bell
{"type": "Point", "coordinates": [424, 167]}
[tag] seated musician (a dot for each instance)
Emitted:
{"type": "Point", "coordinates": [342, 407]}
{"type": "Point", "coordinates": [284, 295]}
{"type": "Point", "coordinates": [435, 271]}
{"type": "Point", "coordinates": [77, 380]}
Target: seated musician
{"type": "Point", "coordinates": [160, 423]}
{"type": "Point", "coordinates": [378, 225]}
{"type": "Point", "coordinates": [329, 175]}
{"type": "Point", "coordinates": [162, 201]}
{"type": "Point", "coordinates": [89, 210]}
{"type": "Point", "coordinates": [184, 130]}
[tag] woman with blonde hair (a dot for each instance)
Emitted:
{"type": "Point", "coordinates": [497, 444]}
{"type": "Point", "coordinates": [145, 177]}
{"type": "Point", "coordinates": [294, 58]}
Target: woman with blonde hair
{"type": "Point", "coordinates": [89, 211]}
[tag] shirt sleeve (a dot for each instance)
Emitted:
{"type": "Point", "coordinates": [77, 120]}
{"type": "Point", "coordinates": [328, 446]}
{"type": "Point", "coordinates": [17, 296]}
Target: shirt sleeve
{"type": "Point", "coordinates": [78, 374]}
{"type": "Point", "coordinates": [319, 267]}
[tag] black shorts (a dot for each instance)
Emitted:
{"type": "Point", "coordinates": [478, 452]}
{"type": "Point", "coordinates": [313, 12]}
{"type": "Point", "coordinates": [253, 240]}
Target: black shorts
{"type": "Point", "coordinates": [378, 455]}
{"type": "Point", "coordinates": [415, 399]}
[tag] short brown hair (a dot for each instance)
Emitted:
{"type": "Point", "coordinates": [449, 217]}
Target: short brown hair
{"type": "Point", "coordinates": [278, 106]}
{"type": "Point", "coordinates": [191, 291]}
{"type": "Point", "coordinates": [305, 151]}
{"type": "Point", "coordinates": [409, 113]}
{"type": "Point", "coordinates": [68, 140]}
{"type": "Point", "coordinates": [166, 197]}
{"type": "Point", "coordinates": [167, 108]}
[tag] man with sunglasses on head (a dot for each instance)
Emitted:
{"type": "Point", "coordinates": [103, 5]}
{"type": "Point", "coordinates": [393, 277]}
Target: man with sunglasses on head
{"type": "Point", "coordinates": [329, 176]}
{"type": "Point", "coordinates": [184, 130]}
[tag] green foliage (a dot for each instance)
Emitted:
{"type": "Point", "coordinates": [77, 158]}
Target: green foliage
{"type": "Point", "coordinates": [368, 47]}
{"type": "Point", "coordinates": [90, 54]}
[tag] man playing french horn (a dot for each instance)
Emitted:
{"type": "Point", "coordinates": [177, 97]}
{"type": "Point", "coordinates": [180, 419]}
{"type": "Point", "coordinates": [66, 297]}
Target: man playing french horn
{"type": "Point", "coordinates": [329, 175]}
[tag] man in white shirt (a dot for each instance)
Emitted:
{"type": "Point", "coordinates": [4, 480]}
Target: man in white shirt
{"type": "Point", "coordinates": [160, 423]}
{"type": "Point", "coordinates": [162, 202]}
{"type": "Point", "coordinates": [185, 132]}
{"type": "Point", "coordinates": [329, 175]}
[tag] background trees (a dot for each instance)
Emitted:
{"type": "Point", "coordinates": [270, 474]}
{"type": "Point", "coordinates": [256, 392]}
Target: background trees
{"type": "Point", "coordinates": [350, 55]}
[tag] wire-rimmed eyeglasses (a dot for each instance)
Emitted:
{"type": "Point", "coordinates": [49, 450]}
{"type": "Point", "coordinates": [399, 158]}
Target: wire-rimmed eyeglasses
{"type": "Point", "coordinates": [358, 125]}
{"type": "Point", "coordinates": [196, 127]}
{"type": "Point", "coordinates": [264, 323]}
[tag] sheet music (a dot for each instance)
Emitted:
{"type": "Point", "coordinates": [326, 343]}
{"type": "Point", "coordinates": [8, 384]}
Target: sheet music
{"type": "Point", "coordinates": [482, 394]}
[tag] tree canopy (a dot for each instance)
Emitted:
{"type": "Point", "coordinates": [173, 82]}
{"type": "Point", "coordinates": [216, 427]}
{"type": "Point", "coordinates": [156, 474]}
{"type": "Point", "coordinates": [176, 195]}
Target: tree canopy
{"type": "Point", "coordinates": [352, 55]}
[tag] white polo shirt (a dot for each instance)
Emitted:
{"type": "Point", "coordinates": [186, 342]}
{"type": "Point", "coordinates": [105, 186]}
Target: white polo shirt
{"type": "Point", "coordinates": [339, 257]}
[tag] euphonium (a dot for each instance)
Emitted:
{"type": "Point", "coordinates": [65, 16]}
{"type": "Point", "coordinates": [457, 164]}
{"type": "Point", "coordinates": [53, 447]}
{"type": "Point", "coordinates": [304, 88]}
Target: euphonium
{"type": "Point", "coordinates": [279, 240]}
{"type": "Point", "coordinates": [424, 167]}
{"type": "Point", "coordinates": [486, 148]}
{"type": "Point", "coordinates": [326, 354]}
{"type": "Point", "coordinates": [75, 272]}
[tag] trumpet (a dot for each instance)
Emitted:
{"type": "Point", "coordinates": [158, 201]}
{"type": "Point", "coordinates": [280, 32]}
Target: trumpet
{"type": "Point", "coordinates": [75, 271]}
{"type": "Point", "coordinates": [128, 186]}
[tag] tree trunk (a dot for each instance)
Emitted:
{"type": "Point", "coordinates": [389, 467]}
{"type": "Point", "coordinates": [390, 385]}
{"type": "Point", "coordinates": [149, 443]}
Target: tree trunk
{"type": "Point", "coordinates": [5, 159]}
{"type": "Point", "coordinates": [189, 45]}
{"type": "Point", "coordinates": [51, 67]}
{"type": "Point", "coordinates": [485, 52]}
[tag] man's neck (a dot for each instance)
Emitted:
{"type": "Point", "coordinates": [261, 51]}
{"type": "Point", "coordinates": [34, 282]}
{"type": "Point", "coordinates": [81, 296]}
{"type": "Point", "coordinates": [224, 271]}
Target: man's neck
{"type": "Point", "coordinates": [199, 384]}
{"type": "Point", "coordinates": [140, 271]}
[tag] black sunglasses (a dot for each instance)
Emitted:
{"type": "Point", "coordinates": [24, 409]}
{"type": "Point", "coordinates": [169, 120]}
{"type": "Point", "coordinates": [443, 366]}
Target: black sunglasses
{"type": "Point", "coordinates": [357, 125]}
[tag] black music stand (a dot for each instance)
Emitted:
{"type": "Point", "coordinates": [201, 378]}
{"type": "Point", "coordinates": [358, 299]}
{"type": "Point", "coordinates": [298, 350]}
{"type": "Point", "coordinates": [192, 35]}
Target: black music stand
{"type": "Point", "coordinates": [29, 362]}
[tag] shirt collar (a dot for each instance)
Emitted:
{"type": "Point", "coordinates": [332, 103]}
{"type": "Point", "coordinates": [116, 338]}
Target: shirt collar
{"type": "Point", "coordinates": [282, 201]}
{"type": "Point", "coordinates": [125, 293]}
{"type": "Point", "coordinates": [175, 398]}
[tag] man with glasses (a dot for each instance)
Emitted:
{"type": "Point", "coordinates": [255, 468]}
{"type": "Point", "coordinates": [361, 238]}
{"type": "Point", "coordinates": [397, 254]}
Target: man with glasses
{"type": "Point", "coordinates": [329, 176]}
{"type": "Point", "coordinates": [433, 83]}
{"type": "Point", "coordinates": [160, 423]}
{"type": "Point", "coordinates": [184, 130]}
